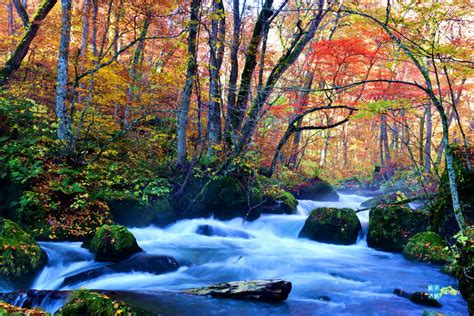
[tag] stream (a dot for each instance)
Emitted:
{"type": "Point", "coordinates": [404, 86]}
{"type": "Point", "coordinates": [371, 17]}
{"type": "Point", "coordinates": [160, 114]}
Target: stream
{"type": "Point", "coordinates": [327, 279]}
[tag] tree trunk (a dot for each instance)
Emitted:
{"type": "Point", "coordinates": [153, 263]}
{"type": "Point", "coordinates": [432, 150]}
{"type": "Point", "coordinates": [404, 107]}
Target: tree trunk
{"type": "Point", "coordinates": [11, 19]}
{"type": "Point", "coordinates": [216, 52]}
{"type": "Point", "coordinates": [234, 71]}
{"type": "Point", "coordinates": [236, 114]}
{"type": "Point", "coordinates": [421, 139]}
{"type": "Point", "coordinates": [190, 72]}
{"type": "Point", "coordinates": [384, 138]}
{"type": "Point", "coordinates": [95, 12]}
{"type": "Point", "coordinates": [134, 94]}
{"type": "Point", "coordinates": [344, 144]}
{"type": "Point", "coordinates": [14, 62]}
{"type": "Point", "coordinates": [62, 81]}
{"type": "Point", "coordinates": [428, 137]}
{"type": "Point", "coordinates": [324, 150]}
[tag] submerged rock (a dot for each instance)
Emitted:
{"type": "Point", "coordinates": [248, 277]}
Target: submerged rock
{"type": "Point", "coordinates": [20, 256]}
{"type": "Point", "coordinates": [421, 298]}
{"type": "Point", "coordinates": [427, 246]}
{"type": "Point", "coordinates": [131, 212]}
{"type": "Point", "coordinates": [390, 227]}
{"type": "Point", "coordinates": [209, 230]}
{"type": "Point", "coordinates": [84, 302]}
{"type": "Point", "coordinates": [261, 290]}
{"type": "Point", "coordinates": [332, 225]}
{"type": "Point", "coordinates": [142, 262]}
{"type": "Point", "coordinates": [113, 243]}
{"type": "Point", "coordinates": [316, 189]}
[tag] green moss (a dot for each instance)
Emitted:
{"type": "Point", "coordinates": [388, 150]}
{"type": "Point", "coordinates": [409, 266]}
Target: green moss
{"type": "Point", "coordinates": [85, 302]}
{"type": "Point", "coordinates": [21, 256]}
{"type": "Point", "coordinates": [384, 199]}
{"type": "Point", "coordinates": [390, 227]}
{"type": "Point", "coordinates": [289, 202]}
{"type": "Point", "coordinates": [332, 225]}
{"type": "Point", "coordinates": [113, 243]}
{"type": "Point", "coordinates": [7, 309]}
{"type": "Point", "coordinates": [465, 266]}
{"type": "Point", "coordinates": [427, 246]}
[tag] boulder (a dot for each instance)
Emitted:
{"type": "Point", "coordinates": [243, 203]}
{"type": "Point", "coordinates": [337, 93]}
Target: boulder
{"type": "Point", "coordinates": [85, 302]}
{"type": "Point", "coordinates": [261, 290]}
{"type": "Point", "coordinates": [282, 203]}
{"type": "Point", "coordinates": [465, 267]}
{"type": "Point", "coordinates": [385, 199]}
{"type": "Point", "coordinates": [113, 243]}
{"type": "Point", "coordinates": [209, 230]}
{"type": "Point", "coordinates": [131, 212]}
{"type": "Point", "coordinates": [420, 298]}
{"type": "Point", "coordinates": [20, 256]}
{"type": "Point", "coordinates": [316, 189]}
{"type": "Point", "coordinates": [7, 309]}
{"type": "Point", "coordinates": [225, 198]}
{"type": "Point", "coordinates": [428, 247]}
{"type": "Point", "coordinates": [332, 225]}
{"type": "Point", "coordinates": [390, 227]}
{"type": "Point", "coordinates": [163, 213]}
{"type": "Point", "coordinates": [140, 262]}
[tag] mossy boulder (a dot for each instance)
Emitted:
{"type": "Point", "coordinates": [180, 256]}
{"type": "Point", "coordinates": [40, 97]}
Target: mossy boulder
{"type": "Point", "coordinates": [465, 267]}
{"type": "Point", "coordinates": [20, 256]}
{"type": "Point", "coordinates": [390, 227]}
{"type": "Point", "coordinates": [131, 212]}
{"type": "Point", "coordinates": [280, 203]}
{"type": "Point", "coordinates": [85, 302]}
{"type": "Point", "coordinates": [7, 309]}
{"type": "Point", "coordinates": [385, 199]}
{"type": "Point", "coordinates": [332, 225]}
{"type": "Point", "coordinates": [163, 213]}
{"type": "Point", "coordinates": [113, 243]}
{"type": "Point", "coordinates": [428, 247]}
{"type": "Point", "coordinates": [316, 189]}
{"type": "Point", "coordinates": [225, 198]}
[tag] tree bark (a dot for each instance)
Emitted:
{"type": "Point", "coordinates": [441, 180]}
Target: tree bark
{"type": "Point", "coordinates": [14, 62]}
{"type": "Point", "coordinates": [236, 114]}
{"type": "Point", "coordinates": [216, 52]}
{"type": "Point", "coordinates": [190, 72]}
{"type": "Point", "coordinates": [62, 81]}
{"type": "Point", "coordinates": [428, 137]}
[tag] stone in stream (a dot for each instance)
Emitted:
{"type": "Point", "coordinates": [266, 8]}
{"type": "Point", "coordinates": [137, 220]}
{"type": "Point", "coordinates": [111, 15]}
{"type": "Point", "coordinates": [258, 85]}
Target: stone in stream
{"type": "Point", "coordinates": [384, 199]}
{"type": "Point", "coordinates": [420, 298]}
{"type": "Point", "coordinates": [332, 225]}
{"type": "Point", "coordinates": [316, 189]}
{"type": "Point", "coordinates": [113, 243]}
{"type": "Point", "coordinates": [209, 230]}
{"type": "Point", "coordinates": [279, 203]}
{"type": "Point", "coordinates": [390, 227]}
{"type": "Point", "coordinates": [20, 256]}
{"type": "Point", "coordinates": [140, 262]}
{"type": "Point", "coordinates": [261, 290]}
{"type": "Point", "coordinates": [428, 247]}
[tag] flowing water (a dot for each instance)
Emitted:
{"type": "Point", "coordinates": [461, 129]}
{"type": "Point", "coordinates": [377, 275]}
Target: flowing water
{"type": "Point", "coordinates": [327, 279]}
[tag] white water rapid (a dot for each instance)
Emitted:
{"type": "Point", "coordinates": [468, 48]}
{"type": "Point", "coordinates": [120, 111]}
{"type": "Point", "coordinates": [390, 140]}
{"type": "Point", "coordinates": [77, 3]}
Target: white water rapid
{"type": "Point", "coordinates": [327, 279]}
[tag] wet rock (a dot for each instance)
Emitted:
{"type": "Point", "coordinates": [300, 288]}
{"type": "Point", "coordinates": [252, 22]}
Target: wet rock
{"type": "Point", "coordinates": [7, 309]}
{"type": "Point", "coordinates": [113, 243]}
{"type": "Point", "coordinates": [332, 225]}
{"type": "Point", "coordinates": [282, 203]}
{"type": "Point", "coordinates": [384, 199]}
{"type": "Point", "coordinates": [420, 298]}
{"type": "Point", "coordinates": [261, 290]}
{"type": "Point", "coordinates": [163, 213]}
{"type": "Point", "coordinates": [316, 189]}
{"type": "Point", "coordinates": [390, 227]}
{"type": "Point", "coordinates": [428, 247]}
{"type": "Point", "coordinates": [140, 262]}
{"type": "Point", "coordinates": [85, 302]}
{"type": "Point", "coordinates": [20, 256]}
{"type": "Point", "coordinates": [131, 212]}
{"type": "Point", "coordinates": [209, 230]}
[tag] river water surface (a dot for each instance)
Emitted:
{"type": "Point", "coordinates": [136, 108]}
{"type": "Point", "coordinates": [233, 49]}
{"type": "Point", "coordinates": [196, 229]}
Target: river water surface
{"type": "Point", "coordinates": [327, 279]}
